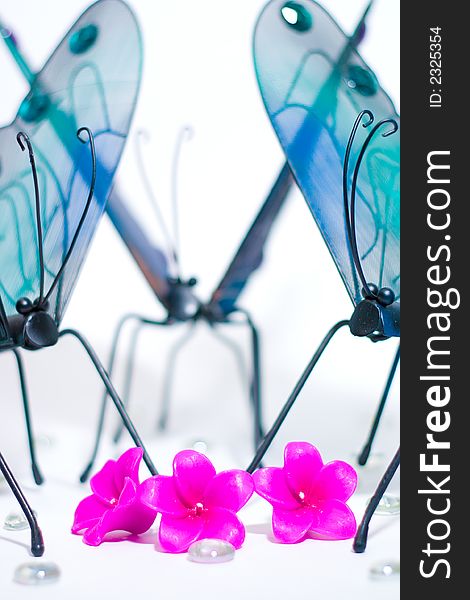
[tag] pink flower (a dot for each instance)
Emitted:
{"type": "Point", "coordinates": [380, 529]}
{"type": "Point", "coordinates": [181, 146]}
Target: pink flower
{"type": "Point", "coordinates": [307, 496]}
{"type": "Point", "coordinates": [196, 503]}
{"type": "Point", "coordinates": [114, 504]}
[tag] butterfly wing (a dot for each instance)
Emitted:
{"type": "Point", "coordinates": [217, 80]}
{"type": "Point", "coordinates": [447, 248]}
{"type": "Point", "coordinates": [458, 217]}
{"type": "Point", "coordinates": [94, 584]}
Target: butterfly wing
{"type": "Point", "coordinates": [92, 79]}
{"type": "Point", "coordinates": [314, 84]}
{"type": "Point", "coordinates": [151, 260]}
{"type": "Point", "coordinates": [249, 255]}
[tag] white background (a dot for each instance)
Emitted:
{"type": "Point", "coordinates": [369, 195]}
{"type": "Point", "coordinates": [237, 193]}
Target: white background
{"type": "Point", "coordinates": [198, 71]}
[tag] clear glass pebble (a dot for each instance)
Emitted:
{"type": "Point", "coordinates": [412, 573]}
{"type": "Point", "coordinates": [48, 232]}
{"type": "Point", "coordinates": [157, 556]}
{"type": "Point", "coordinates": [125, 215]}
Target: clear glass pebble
{"type": "Point", "coordinates": [199, 446]}
{"type": "Point", "coordinates": [16, 521]}
{"type": "Point", "coordinates": [36, 573]}
{"type": "Point", "coordinates": [388, 505]}
{"type": "Point", "coordinates": [211, 551]}
{"type": "Point", "coordinates": [386, 569]}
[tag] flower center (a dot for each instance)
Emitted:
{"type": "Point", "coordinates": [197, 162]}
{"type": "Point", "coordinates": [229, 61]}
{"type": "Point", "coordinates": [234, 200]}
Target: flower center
{"type": "Point", "coordinates": [113, 501]}
{"type": "Point", "coordinates": [198, 509]}
{"type": "Point", "coordinates": [301, 496]}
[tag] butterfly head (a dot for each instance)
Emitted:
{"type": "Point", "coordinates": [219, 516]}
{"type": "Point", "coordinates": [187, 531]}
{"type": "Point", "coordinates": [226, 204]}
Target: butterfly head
{"type": "Point", "coordinates": [377, 316]}
{"type": "Point", "coordinates": [183, 305]}
{"type": "Point", "coordinates": [33, 327]}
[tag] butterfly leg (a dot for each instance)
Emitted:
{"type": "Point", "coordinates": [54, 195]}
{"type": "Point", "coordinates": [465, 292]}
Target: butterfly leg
{"type": "Point", "coordinates": [360, 541]}
{"type": "Point", "coordinates": [130, 363]}
{"type": "Point", "coordinates": [268, 438]}
{"type": "Point", "coordinates": [113, 394]}
{"type": "Point", "coordinates": [255, 387]}
{"type": "Point", "coordinates": [38, 478]}
{"type": "Point", "coordinates": [169, 372]}
{"type": "Point", "coordinates": [236, 350]}
{"type": "Point", "coordinates": [255, 384]}
{"type": "Point", "coordinates": [37, 543]}
{"type": "Point", "coordinates": [364, 455]}
{"type": "Point", "coordinates": [99, 430]}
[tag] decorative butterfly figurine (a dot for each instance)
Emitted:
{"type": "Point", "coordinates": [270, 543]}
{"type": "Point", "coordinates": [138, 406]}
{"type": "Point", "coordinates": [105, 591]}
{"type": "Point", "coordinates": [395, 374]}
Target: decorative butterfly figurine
{"type": "Point", "coordinates": [180, 300]}
{"type": "Point", "coordinates": [73, 125]}
{"type": "Point", "coordinates": [338, 129]}
{"type": "Point", "coordinates": [178, 296]}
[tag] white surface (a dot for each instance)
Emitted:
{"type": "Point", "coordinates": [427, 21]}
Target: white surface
{"type": "Point", "coordinates": [198, 70]}
{"type": "Point", "coordinates": [261, 569]}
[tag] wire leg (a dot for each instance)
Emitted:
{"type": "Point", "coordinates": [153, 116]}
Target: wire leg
{"type": "Point", "coordinates": [38, 478]}
{"type": "Point", "coordinates": [37, 542]}
{"type": "Point", "coordinates": [101, 418]}
{"type": "Point", "coordinates": [113, 394]}
{"type": "Point", "coordinates": [237, 353]}
{"type": "Point", "coordinates": [126, 395]}
{"type": "Point", "coordinates": [169, 373]}
{"type": "Point", "coordinates": [293, 396]}
{"type": "Point", "coordinates": [360, 541]}
{"type": "Point", "coordinates": [255, 387]}
{"type": "Point", "coordinates": [364, 455]}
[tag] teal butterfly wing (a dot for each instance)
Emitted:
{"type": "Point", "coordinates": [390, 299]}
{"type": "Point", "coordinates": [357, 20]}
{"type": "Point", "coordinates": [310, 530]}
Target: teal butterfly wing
{"type": "Point", "coordinates": [91, 80]}
{"type": "Point", "coordinates": [314, 84]}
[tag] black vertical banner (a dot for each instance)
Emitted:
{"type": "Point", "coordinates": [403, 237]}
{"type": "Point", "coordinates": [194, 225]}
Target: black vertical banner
{"type": "Point", "coordinates": [435, 204]}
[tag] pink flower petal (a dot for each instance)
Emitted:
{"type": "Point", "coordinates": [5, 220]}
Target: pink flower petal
{"type": "Point", "coordinates": [335, 521]}
{"type": "Point", "coordinates": [229, 489]}
{"type": "Point", "coordinates": [223, 524]}
{"type": "Point", "coordinates": [94, 535]}
{"type": "Point", "coordinates": [291, 526]}
{"type": "Point", "coordinates": [270, 484]}
{"type": "Point", "coordinates": [110, 521]}
{"type": "Point", "coordinates": [87, 513]}
{"type": "Point", "coordinates": [127, 465]}
{"type": "Point", "coordinates": [102, 483]}
{"type": "Point", "coordinates": [128, 494]}
{"type": "Point", "coordinates": [192, 471]}
{"type": "Point", "coordinates": [159, 492]}
{"type": "Point", "coordinates": [131, 516]}
{"type": "Point", "coordinates": [302, 464]}
{"type": "Point", "coordinates": [337, 480]}
{"type": "Point", "coordinates": [176, 535]}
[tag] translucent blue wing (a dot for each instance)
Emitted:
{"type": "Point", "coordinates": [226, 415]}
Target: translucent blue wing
{"type": "Point", "coordinates": [151, 260]}
{"type": "Point", "coordinates": [249, 255]}
{"type": "Point", "coordinates": [92, 79]}
{"type": "Point", "coordinates": [314, 84]}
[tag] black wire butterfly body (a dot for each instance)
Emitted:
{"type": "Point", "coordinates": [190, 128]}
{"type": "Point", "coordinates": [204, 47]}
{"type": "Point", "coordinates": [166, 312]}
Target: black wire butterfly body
{"type": "Point", "coordinates": [179, 297]}
{"type": "Point", "coordinates": [48, 219]}
{"type": "Point", "coordinates": [316, 102]}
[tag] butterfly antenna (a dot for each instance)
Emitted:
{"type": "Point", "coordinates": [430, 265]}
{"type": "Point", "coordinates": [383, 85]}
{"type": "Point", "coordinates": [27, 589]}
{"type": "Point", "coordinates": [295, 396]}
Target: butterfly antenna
{"type": "Point", "coordinates": [23, 139]}
{"type": "Point", "coordinates": [347, 155]}
{"type": "Point", "coordinates": [85, 210]}
{"type": "Point", "coordinates": [143, 135]}
{"type": "Point", "coordinates": [350, 206]}
{"type": "Point", "coordinates": [185, 134]}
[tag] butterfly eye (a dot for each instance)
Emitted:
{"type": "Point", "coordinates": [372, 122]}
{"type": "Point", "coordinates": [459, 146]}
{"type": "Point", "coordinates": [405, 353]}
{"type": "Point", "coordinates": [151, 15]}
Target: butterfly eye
{"type": "Point", "coordinates": [361, 80]}
{"type": "Point", "coordinates": [41, 304]}
{"type": "Point", "coordinates": [370, 292]}
{"type": "Point", "coordinates": [386, 296]}
{"type": "Point", "coordinates": [296, 16]}
{"type": "Point", "coordinates": [24, 306]}
{"type": "Point", "coordinates": [83, 39]}
{"type": "Point", "coordinates": [33, 107]}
